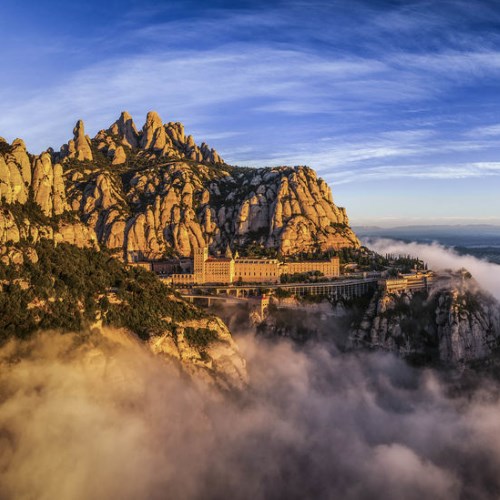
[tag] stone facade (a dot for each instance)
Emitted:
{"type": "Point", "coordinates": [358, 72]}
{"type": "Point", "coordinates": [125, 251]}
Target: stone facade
{"type": "Point", "coordinates": [229, 269]}
{"type": "Point", "coordinates": [328, 268]}
{"type": "Point", "coordinates": [257, 270]}
{"type": "Point", "coordinates": [419, 280]}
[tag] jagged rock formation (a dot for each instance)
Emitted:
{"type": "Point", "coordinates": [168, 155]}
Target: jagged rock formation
{"type": "Point", "coordinates": [156, 140]}
{"type": "Point", "coordinates": [183, 208]}
{"type": "Point", "coordinates": [33, 195]}
{"type": "Point", "coordinates": [219, 362]}
{"type": "Point", "coordinates": [297, 320]}
{"type": "Point", "coordinates": [80, 146]}
{"type": "Point", "coordinates": [154, 192]}
{"type": "Point", "coordinates": [125, 129]}
{"type": "Point", "coordinates": [452, 325]}
{"type": "Point", "coordinates": [48, 186]}
{"type": "Point", "coordinates": [468, 326]}
{"type": "Point", "coordinates": [15, 172]}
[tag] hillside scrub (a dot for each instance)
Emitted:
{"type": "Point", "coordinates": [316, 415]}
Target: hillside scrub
{"type": "Point", "coordinates": [69, 288]}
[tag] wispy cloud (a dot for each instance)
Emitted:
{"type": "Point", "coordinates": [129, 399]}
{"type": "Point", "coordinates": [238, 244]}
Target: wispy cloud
{"type": "Point", "coordinates": [485, 131]}
{"type": "Point", "coordinates": [357, 89]}
{"type": "Point", "coordinates": [419, 171]}
{"type": "Point", "coordinates": [193, 77]}
{"type": "Point", "coordinates": [387, 155]}
{"type": "Point", "coordinates": [197, 86]}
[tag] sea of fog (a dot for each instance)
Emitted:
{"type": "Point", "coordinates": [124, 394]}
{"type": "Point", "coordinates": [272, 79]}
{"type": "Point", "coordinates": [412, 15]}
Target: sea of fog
{"type": "Point", "coordinates": [480, 240]}
{"type": "Point", "coordinates": [439, 258]}
{"type": "Point", "coordinates": [83, 416]}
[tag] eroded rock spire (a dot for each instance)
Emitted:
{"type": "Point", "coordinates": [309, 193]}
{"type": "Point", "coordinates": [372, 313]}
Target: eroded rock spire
{"type": "Point", "coordinates": [153, 132]}
{"type": "Point", "coordinates": [126, 130]}
{"type": "Point", "coordinates": [80, 146]}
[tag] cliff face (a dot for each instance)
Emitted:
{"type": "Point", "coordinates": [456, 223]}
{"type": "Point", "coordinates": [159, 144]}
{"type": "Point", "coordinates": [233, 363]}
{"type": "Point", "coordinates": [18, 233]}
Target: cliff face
{"type": "Point", "coordinates": [216, 360]}
{"type": "Point", "coordinates": [156, 192]}
{"type": "Point", "coordinates": [468, 326]}
{"type": "Point", "coordinates": [33, 201]}
{"type": "Point", "coordinates": [452, 325]}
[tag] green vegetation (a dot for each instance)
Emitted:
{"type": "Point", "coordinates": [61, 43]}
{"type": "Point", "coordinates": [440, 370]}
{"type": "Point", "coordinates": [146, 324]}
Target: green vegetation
{"type": "Point", "coordinates": [199, 337]}
{"type": "Point", "coordinates": [367, 260]}
{"type": "Point", "coordinates": [32, 211]}
{"type": "Point", "coordinates": [5, 147]}
{"type": "Point", "coordinates": [254, 246]}
{"type": "Point", "coordinates": [316, 254]}
{"type": "Point", "coordinates": [363, 257]}
{"type": "Point", "coordinates": [282, 293]}
{"type": "Point", "coordinates": [69, 288]}
{"type": "Point", "coordinates": [312, 299]}
{"type": "Point", "coordinates": [406, 263]}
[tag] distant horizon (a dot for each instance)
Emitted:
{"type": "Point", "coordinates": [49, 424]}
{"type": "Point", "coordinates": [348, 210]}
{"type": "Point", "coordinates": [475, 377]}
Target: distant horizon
{"type": "Point", "coordinates": [384, 224]}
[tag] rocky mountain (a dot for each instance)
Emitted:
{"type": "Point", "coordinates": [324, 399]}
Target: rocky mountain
{"type": "Point", "coordinates": [155, 192]}
{"type": "Point", "coordinates": [455, 323]}
{"type": "Point", "coordinates": [62, 288]}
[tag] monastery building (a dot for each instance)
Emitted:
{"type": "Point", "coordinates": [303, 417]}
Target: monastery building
{"type": "Point", "coordinates": [233, 269]}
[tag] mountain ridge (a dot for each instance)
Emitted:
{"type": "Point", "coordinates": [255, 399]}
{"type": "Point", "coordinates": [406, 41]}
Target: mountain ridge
{"type": "Point", "coordinates": [155, 193]}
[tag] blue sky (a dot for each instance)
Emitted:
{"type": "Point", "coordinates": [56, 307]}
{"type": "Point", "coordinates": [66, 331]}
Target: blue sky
{"type": "Point", "coordinates": [396, 103]}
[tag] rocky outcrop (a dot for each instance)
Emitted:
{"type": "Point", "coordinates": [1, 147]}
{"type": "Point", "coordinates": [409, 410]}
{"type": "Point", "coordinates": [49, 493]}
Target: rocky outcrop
{"type": "Point", "coordinates": [59, 290]}
{"type": "Point", "coordinates": [216, 360]}
{"type": "Point", "coordinates": [15, 228]}
{"type": "Point", "coordinates": [33, 195]}
{"type": "Point", "coordinates": [453, 325]}
{"type": "Point", "coordinates": [125, 130]}
{"type": "Point", "coordinates": [48, 186]}
{"type": "Point", "coordinates": [468, 326]}
{"type": "Point", "coordinates": [155, 192]}
{"type": "Point", "coordinates": [153, 133]}
{"type": "Point", "coordinates": [168, 140]}
{"type": "Point", "coordinates": [288, 209]}
{"type": "Point", "coordinates": [80, 146]}
{"type": "Point", "coordinates": [218, 364]}
{"type": "Point", "coordinates": [296, 319]}
{"type": "Point", "coordinates": [15, 172]}
{"type": "Point", "coordinates": [21, 158]}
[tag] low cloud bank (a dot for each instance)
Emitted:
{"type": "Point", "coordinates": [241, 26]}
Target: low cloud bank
{"type": "Point", "coordinates": [439, 257]}
{"type": "Point", "coordinates": [87, 416]}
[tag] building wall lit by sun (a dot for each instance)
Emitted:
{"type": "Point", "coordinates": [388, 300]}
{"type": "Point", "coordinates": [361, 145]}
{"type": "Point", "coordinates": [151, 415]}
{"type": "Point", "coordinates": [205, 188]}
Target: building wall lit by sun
{"type": "Point", "coordinates": [234, 269]}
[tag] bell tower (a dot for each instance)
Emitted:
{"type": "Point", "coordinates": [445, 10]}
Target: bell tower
{"type": "Point", "coordinates": [200, 257]}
